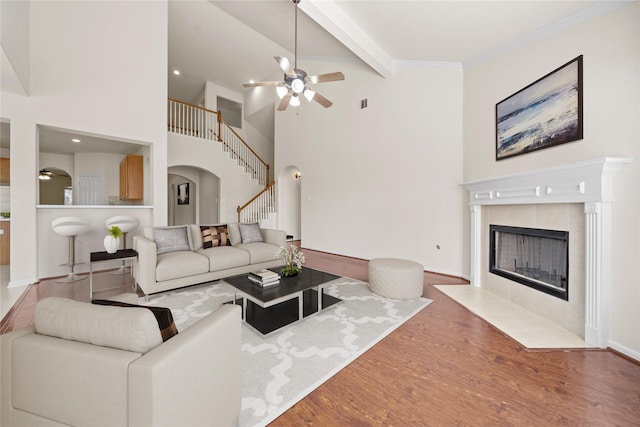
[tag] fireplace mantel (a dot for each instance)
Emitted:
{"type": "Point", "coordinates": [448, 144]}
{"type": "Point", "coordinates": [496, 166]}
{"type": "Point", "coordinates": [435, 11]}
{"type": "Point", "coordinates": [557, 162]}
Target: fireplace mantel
{"type": "Point", "coordinates": [589, 182]}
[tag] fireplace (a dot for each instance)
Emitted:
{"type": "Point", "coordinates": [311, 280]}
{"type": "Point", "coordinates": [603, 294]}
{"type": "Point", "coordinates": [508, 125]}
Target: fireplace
{"type": "Point", "coordinates": [533, 257]}
{"type": "Point", "coordinates": [589, 184]}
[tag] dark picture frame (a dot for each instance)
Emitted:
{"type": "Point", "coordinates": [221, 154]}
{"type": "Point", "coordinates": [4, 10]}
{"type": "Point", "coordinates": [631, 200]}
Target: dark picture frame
{"type": "Point", "coordinates": [183, 194]}
{"type": "Point", "coordinates": [546, 113]}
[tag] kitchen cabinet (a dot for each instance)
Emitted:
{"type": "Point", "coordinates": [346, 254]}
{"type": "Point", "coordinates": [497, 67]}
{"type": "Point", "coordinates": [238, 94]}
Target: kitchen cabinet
{"type": "Point", "coordinates": [4, 171]}
{"type": "Point", "coordinates": [5, 237]}
{"type": "Point", "coordinates": [132, 178]}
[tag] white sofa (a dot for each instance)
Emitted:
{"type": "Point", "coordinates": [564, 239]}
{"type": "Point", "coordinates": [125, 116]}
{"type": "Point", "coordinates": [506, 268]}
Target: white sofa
{"type": "Point", "coordinates": [158, 272]}
{"type": "Point", "coordinates": [91, 365]}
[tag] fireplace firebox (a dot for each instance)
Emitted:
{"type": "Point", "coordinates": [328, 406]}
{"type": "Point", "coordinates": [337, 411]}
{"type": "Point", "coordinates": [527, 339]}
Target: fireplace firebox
{"type": "Point", "coordinates": [533, 257]}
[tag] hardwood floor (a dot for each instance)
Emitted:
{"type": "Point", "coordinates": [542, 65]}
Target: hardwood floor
{"type": "Point", "coordinates": [444, 367]}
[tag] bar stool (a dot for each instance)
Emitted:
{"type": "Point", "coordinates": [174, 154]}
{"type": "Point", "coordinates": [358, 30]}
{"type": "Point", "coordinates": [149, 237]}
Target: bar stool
{"type": "Point", "coordinates": [126, 223]}
{"type": "Point", "coordinates": [70, 226]}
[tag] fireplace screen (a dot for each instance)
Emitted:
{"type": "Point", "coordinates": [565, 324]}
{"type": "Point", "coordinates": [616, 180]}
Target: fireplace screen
{"type": "Point", "coordinates": [533, 257]}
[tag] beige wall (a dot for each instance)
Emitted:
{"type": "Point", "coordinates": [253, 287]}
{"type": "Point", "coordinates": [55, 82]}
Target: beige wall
{"type": "Point", "coordinates": [381, 181]}
{"type": "Point", "coordinates": [85, 87]}
{"type": "Point", "coordinates": [611, 47]}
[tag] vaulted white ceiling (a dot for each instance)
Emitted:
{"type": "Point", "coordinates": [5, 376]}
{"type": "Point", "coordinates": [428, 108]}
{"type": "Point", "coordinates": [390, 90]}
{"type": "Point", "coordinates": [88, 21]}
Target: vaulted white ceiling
{"type": "Point", "coordinates": [230, 42]}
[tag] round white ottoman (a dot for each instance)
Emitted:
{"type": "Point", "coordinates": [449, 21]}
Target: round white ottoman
{"type": "Point", "coordinates": [396, 278]}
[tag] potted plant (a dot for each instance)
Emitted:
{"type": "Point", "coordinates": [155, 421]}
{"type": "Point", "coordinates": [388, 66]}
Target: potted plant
{"type": "Point", "coordinates": [292, 259]}
{"type": "Point", "coordinates": [112, 241]}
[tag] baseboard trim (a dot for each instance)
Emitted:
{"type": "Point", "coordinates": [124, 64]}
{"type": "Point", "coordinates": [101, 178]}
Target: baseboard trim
{"type": "Point", "coordinates": [625, 352]}
{"type": "Point", "coordinates": [20, 283]}
{"type": "Point", "coordinates": [451, 274]}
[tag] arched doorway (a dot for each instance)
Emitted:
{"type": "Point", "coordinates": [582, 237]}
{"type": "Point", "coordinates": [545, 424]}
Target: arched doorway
{"type": "Point", "coordinates": [55, 187]}
{"type": "Point", "coordinates": [202, 204]}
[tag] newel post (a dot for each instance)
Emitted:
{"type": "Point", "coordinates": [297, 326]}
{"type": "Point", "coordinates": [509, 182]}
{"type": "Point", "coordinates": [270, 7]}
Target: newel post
{"type": "Point", "coordinates": [266, 178]}
{"type": "Point", "coordinates": [219, 125]}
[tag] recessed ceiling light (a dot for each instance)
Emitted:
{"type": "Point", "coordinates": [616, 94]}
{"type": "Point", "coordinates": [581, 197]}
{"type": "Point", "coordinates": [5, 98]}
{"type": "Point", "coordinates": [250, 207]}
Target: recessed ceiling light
{"type": "Point", "coordinates": [251, 81]}
{"type": "Point", "coordinates": [176, 72]}
{"type": "Point", "coordinates": [76, 140]}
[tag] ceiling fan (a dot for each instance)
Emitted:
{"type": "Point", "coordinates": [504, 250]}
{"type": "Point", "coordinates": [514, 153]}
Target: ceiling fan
{"type": "Point", "coordinates": [296, 81]}
{"type": "Point", "coordinates": [46, 174]}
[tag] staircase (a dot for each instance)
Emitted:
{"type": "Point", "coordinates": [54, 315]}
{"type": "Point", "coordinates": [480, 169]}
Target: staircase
{"type": "Point", "coordinates": [191, 120]}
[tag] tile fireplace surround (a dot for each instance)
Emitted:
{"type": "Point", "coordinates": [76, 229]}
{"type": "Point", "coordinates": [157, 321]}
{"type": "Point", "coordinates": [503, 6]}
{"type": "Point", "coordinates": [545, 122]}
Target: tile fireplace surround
{"type": "Point", "coordinates": [589, 183]}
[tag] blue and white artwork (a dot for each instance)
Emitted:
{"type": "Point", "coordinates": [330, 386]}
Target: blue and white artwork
{"type": "Point", "coordinates": [547, 112]}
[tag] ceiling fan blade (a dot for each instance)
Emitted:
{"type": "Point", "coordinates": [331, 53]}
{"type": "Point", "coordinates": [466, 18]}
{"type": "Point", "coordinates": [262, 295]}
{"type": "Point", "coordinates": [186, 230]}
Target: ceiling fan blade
{"type": "Point", "coordinates": [286, 66]}
{"type": "Point", "coordinates": [256, 84]}
{"type": "Point", "coordinates": [285, 102]}
{"type": "Point", "coordinates": [322, 100]}
{"type": "Point", "coordinates": [329, 77]}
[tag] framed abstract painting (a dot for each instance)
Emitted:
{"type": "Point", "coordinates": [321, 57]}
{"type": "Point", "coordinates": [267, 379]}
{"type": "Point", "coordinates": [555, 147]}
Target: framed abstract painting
{"type": "Point", "coordinates": [548, 112]}
{"type": "Point", "coordinates": [183, 194]}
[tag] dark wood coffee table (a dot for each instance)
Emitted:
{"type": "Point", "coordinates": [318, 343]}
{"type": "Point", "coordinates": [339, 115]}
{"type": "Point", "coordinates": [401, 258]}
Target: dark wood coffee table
{"type": "Point", "coordinates": [270, 308]}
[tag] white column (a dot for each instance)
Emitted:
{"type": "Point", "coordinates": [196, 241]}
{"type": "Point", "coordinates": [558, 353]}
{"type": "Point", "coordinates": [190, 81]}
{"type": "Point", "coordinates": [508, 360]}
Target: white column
{"type": "Point", "coordinates": [475, 258]}
{"type": "Point", "coordinates": [597, 272]}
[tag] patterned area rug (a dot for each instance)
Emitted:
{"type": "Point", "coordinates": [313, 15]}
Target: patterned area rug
{"type": "Point", "coordinates": [281, 368]}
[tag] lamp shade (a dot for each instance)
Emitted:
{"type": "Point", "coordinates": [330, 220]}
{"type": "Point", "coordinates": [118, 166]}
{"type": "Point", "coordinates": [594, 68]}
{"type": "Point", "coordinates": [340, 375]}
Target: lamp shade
{"type": "Point", "coordinates": [309, 94]}
{"type": "Point", "coordinates": [297, 85]}
{"type": "Point", "coordinates": [281, 91]}
{"type": "Point", "coordinates": [295, 101]}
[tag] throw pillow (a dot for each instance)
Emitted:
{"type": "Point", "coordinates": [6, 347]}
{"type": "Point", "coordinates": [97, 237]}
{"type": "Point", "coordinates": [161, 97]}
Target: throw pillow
{"type": "Point", "coordinates": [171, 239]}
{"type": "Point", "coordinates": [250, 233]}
{"type": "Point", "coordinates": [131, 330]}
{"type": "Point", "coordinates": [162, 314]}
{"type": "Point", "coordinates": [215, 235]}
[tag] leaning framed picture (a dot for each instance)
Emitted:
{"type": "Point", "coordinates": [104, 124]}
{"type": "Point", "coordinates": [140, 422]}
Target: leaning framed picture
{"type": "Point", "coordinates": [548, 112]}
{"type": "Point", "coordinates": [183, 194]}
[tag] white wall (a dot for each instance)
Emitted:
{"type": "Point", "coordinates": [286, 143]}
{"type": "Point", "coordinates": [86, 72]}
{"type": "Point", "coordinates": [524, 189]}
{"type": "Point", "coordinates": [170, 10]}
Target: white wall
{"type": "Point", "coordinates": [260, 140]}
{"type": "Point", "coordinates": [289, 190]}
{"type": "Point", "coordinates": [611, 48]}
{"type": "Point", "coordinates": [14, 37]}
{"type": "Point", "coordinates": [208, 196]}
{"type": "Point", "coordinates": [236, 186]}
{"type": "Point", "coordinates": [95, 67]}
{"type": "Point", "coordinates": [382, 181]}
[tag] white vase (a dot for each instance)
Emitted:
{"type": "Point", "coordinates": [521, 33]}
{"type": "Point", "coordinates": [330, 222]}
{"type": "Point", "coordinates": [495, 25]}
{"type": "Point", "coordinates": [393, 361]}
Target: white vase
{"type": "Point", "coordinates": [111, 244]}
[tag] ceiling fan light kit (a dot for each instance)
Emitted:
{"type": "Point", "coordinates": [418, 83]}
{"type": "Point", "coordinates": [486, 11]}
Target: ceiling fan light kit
{"type": "Point", "coordinates": [296, 81]}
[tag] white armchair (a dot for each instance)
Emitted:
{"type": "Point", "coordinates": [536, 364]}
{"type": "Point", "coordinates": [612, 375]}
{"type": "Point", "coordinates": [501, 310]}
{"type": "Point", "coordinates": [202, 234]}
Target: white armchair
{"type": "Point", "coordinates": [191, 379]}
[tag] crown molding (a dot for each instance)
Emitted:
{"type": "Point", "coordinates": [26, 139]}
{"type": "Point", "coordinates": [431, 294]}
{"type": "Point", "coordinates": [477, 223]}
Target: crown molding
{"type": "Point", "coordinates": [600, 8]}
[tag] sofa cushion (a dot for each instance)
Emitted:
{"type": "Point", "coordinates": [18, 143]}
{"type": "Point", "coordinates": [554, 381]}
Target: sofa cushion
{"type": "Point", "coordinates": [250, 233]}
{"type": "Point", "coordinates": [163, 316]}
{"type": "Point", "coordinates": [259, 251]}
{"type": "Point", "coordinates": [234, 233]}
{"type": "Point", "coordinates": [171, 239]}
{"type": "Point", "coordinates": [174, 265]}
{"type": "Point", "coordinates": [132, 329]}
{"type": "Point", "coordinates": [214, 235]}
{"type": "Point", "coordinates": [223, 257]}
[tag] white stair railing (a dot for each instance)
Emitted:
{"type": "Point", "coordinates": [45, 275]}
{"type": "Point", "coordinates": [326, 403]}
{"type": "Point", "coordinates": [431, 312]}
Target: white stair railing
{"type": "Point", "coordinates": [260, 206]}
{"type": "Point", "coordinates": [191, 120]}
{"type": "Point", "coordinates": [246, 157]}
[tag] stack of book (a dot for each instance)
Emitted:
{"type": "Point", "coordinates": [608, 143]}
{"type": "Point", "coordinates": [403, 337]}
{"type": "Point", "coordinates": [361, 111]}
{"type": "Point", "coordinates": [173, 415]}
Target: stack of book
{"type": "Point", "coordinates": [264, 277]}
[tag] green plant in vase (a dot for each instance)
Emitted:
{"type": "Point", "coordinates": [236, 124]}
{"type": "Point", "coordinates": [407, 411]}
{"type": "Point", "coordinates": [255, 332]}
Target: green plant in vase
{"type": "Point", "coordinates": [292, 260]}
{"type": "Point", "coordinates": [115, 232]}
{"type": "Point", "coordinates": [112, 240]}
